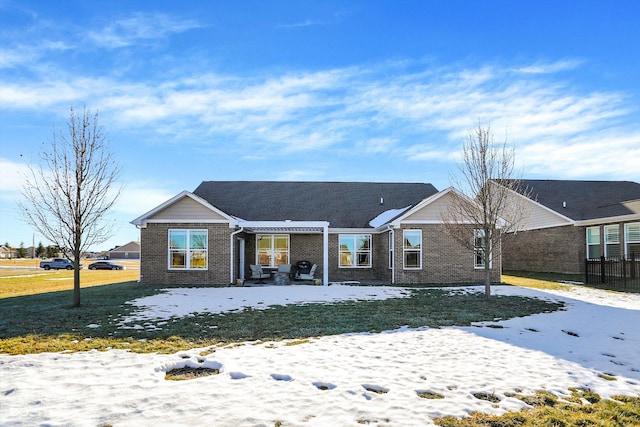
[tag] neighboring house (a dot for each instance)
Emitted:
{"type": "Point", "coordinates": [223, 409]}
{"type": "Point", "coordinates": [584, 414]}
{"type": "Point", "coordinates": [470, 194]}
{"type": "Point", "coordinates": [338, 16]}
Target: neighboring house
{"type": "Point", "coordinates": [353, 231]}
{"type": "Point", "coordinates": [570, 221]}
{"type": "Point", "coordinates": [129, 251]}
{"type": "Point", "coordinates": [5, 252]}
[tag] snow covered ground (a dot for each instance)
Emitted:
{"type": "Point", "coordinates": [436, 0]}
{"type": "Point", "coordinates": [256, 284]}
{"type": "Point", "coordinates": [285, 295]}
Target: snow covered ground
{"type": "Point", "coordinates": [334, 380]}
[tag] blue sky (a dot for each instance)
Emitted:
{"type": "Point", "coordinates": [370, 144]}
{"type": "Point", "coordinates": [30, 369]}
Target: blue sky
{"type": "Point", "coordinates": [317, 90]}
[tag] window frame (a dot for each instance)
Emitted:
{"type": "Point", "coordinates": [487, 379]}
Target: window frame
{"type": "Point", "coordinates": [356, 251]}
{"type": "Point", "coordinates": [628, 241]}
{"type": "Point", "coordinates": [188, 251]}
{"type": "Point", "coordinates": [411, 250]}
{"type": "Point", "coordinates": [607, 242]}
{"type": "Point", "coordinates": [477, 248]}
{"type": "Point", "coordinates": [589, 244]}
{"type": "Point", "coordinates": [273, 251]}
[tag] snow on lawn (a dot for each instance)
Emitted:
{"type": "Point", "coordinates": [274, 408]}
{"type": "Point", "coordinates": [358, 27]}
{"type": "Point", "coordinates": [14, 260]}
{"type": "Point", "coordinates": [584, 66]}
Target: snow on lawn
{"type": "Point", "coordinates": [345, 380]}
{"type": "Point", "coordinates": [180, 302]}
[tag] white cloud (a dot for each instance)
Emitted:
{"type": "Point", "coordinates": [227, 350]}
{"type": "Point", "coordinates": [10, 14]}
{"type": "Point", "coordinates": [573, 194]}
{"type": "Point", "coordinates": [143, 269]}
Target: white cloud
{"type": "Point", "coordinates": [377, 145]}
{"type": "Point", "coordinates": [603, 154]}
{"type": "Point", "coordinates": [383, 109]}
{"type": "Point", "coordinates": [139, 27]}
{"type": "Point", "coordinates": [141, 197]}
{"type": "Point", "coordinates": [11, 178]}
{"type": "Point", "coordinates": [550, 67]}
{"type": "Point", "coordinates": [305, 23]}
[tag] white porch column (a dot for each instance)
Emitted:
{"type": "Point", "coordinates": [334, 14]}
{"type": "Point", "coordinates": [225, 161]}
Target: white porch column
{"type": "Point", "coordinates": [325, 254]}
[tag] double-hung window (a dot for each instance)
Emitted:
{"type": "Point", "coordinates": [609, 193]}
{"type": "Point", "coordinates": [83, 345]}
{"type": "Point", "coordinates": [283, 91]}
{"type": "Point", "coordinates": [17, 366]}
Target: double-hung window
{"type": "Point", "coordinates": [632, 240]}
{"type": "Point", "coordinates": [273, 249]}
{"type": "Point", "coordinates": [612, 241]}
{"type": "Point", "coordinates": [188, 249]}
{"type": "Point", "coordinates": [593, 243]}
{"type": "Point", "coordinates": [412, 249]}
{"type": "Point", "coordinates": [479, 248]}
{"type": "Point", "coordinates": [354, 250]}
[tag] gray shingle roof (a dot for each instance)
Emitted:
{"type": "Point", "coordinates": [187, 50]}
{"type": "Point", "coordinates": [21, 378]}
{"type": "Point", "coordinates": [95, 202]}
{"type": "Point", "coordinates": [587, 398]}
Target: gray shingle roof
{"type": "Point", "coordinates": [343, 204]}
{"type": "Point", "coordinates": [586, 200]}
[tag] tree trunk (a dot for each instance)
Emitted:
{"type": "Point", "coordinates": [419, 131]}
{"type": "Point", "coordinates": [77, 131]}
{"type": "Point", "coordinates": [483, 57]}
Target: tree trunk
{"type": "Point", "coordinates": [487, 281]}
{"type": "Point", "coordinates": [76, 273]}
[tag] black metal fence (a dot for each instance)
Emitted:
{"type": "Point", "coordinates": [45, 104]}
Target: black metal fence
{"type": "Point", "coordinates": [619, 274]}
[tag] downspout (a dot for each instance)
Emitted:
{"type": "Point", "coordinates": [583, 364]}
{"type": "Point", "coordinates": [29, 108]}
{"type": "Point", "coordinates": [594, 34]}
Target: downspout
{"type": "Point", "coordinates": [231, 239]}
{"type": "Point", "coordinates": [325, 254]}
{"type": "Point", "coordinates": [393, 254]}
{"type": "Point", "coordinates": [140, 227]}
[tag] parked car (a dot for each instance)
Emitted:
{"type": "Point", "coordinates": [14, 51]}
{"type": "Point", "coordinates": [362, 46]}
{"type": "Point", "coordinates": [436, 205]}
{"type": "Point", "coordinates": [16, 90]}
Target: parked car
{"type": "Point", "coordinates": [58, 264]}
{"type": "Point", "coordinates": [105, 265]}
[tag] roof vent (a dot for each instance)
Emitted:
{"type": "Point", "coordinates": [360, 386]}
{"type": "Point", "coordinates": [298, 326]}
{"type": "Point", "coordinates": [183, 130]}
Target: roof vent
{"type": "Point", "coordinates": [382, 200]}
{"type": "Point", "coordinates": [564, 204]}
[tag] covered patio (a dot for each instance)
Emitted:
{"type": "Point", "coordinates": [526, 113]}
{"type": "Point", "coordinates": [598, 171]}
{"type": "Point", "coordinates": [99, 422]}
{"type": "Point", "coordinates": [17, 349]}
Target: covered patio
{"type": "Point", "coordinates": [273, 243]}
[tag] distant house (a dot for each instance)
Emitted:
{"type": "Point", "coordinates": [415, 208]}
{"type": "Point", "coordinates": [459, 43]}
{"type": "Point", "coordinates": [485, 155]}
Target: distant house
{"type": "Point", "coordinates": [5, 252]}
{"type": "Point", "coordinates": [352, 231]}
{"type": "Point", "coordinates": [129, 251]}
{"type": "Point", "coordinates": [570, 221]}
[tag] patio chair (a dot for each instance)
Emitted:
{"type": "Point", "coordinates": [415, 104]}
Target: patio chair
{"type": "Point", "coordinates": [257, 273]}
{"type": "Point", "coordinates": [310, 275]}
{"type": "Point", "coordinates": [285, 268]}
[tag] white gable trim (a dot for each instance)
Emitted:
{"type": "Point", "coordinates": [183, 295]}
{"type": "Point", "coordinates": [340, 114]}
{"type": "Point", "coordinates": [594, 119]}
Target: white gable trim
{"type": "Point", "coordinates": [144, 219]}
{"type": "Point", "coordinates": [424, 203]}
{"type": "Point", "coordinates": [611, 219]}
{"type": "Point", "coordinates": [396, 222]}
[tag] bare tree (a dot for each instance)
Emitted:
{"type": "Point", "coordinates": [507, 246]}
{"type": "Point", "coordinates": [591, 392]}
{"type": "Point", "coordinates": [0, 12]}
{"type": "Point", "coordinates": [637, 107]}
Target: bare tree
{"type": "Point", "coordinates": [67, 196]}
{"type": "Point", "coordinates": [487, 204]}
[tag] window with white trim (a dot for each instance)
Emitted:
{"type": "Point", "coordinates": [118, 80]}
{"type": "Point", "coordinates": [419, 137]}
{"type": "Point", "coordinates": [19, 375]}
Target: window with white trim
{"type": "Point", "coordinates": [479, 247]}
{"type": "Point", "coordinates": [412, 249]}
{"type": "Point", "coordinates": [354, 250]}
{"type": "Point", "coordinates": [593, 243]}
{"type": "Point", "coordinates": [188, 249]}
{"type": "Point", "coordinates": [632, 240]}
{"type": "Point", "coordinates": [612, 241]}
{"type": "Point", "coordinates": [273, 249]}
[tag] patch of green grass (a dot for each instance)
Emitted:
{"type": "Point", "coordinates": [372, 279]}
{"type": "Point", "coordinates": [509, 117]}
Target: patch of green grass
{"type": "Point", "coordinates": [583, 408]}
{"type": "Point", "coordinates": [540, 398]}
{"type": "Point", "coordinates": [608, 377]}
{"type": "Point", "coordinates": [44, 322]}
{"type": "Point", "coordinates": [37, 281]}
{"type": "Point", "coordinates": [537, 280]}
{"type": "Point", "coordinates": [186, 373]}
{"type": "Point", "coordinates": [430, 395]}
{"type": "Point", "coordinates": [489, 397]}
{"type": "Point", "coordinates": [297, 342]}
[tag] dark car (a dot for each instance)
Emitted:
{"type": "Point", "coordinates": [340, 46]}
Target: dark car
{"type": "Point", "coordinates": [105, 265]}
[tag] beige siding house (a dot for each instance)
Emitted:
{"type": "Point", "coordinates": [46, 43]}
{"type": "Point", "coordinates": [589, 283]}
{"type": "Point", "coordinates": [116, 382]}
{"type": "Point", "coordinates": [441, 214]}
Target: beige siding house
{"type": "Point", "coordinates": [365, 232]}
{"type": "Point", "coordinates": [569, 222]}
{"type": "Point", "coordinates": [129, 251]}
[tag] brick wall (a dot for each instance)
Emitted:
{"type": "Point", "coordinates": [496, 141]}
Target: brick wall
{"type": "Point", "coordinates": [154, 260]}
{"type": "Point", "coordinates": [379, 259]}
{"type": "Point", "coordinates": [444, 260]}
{"type": "Point", "coordinates": [557, 249]}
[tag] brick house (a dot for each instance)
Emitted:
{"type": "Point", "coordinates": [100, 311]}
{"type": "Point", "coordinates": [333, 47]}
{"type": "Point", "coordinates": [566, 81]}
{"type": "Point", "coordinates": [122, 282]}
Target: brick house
{"type": "Point", "coordinates": [570, 221]}
{"type": "Point", "coordinates": [353, 231]}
